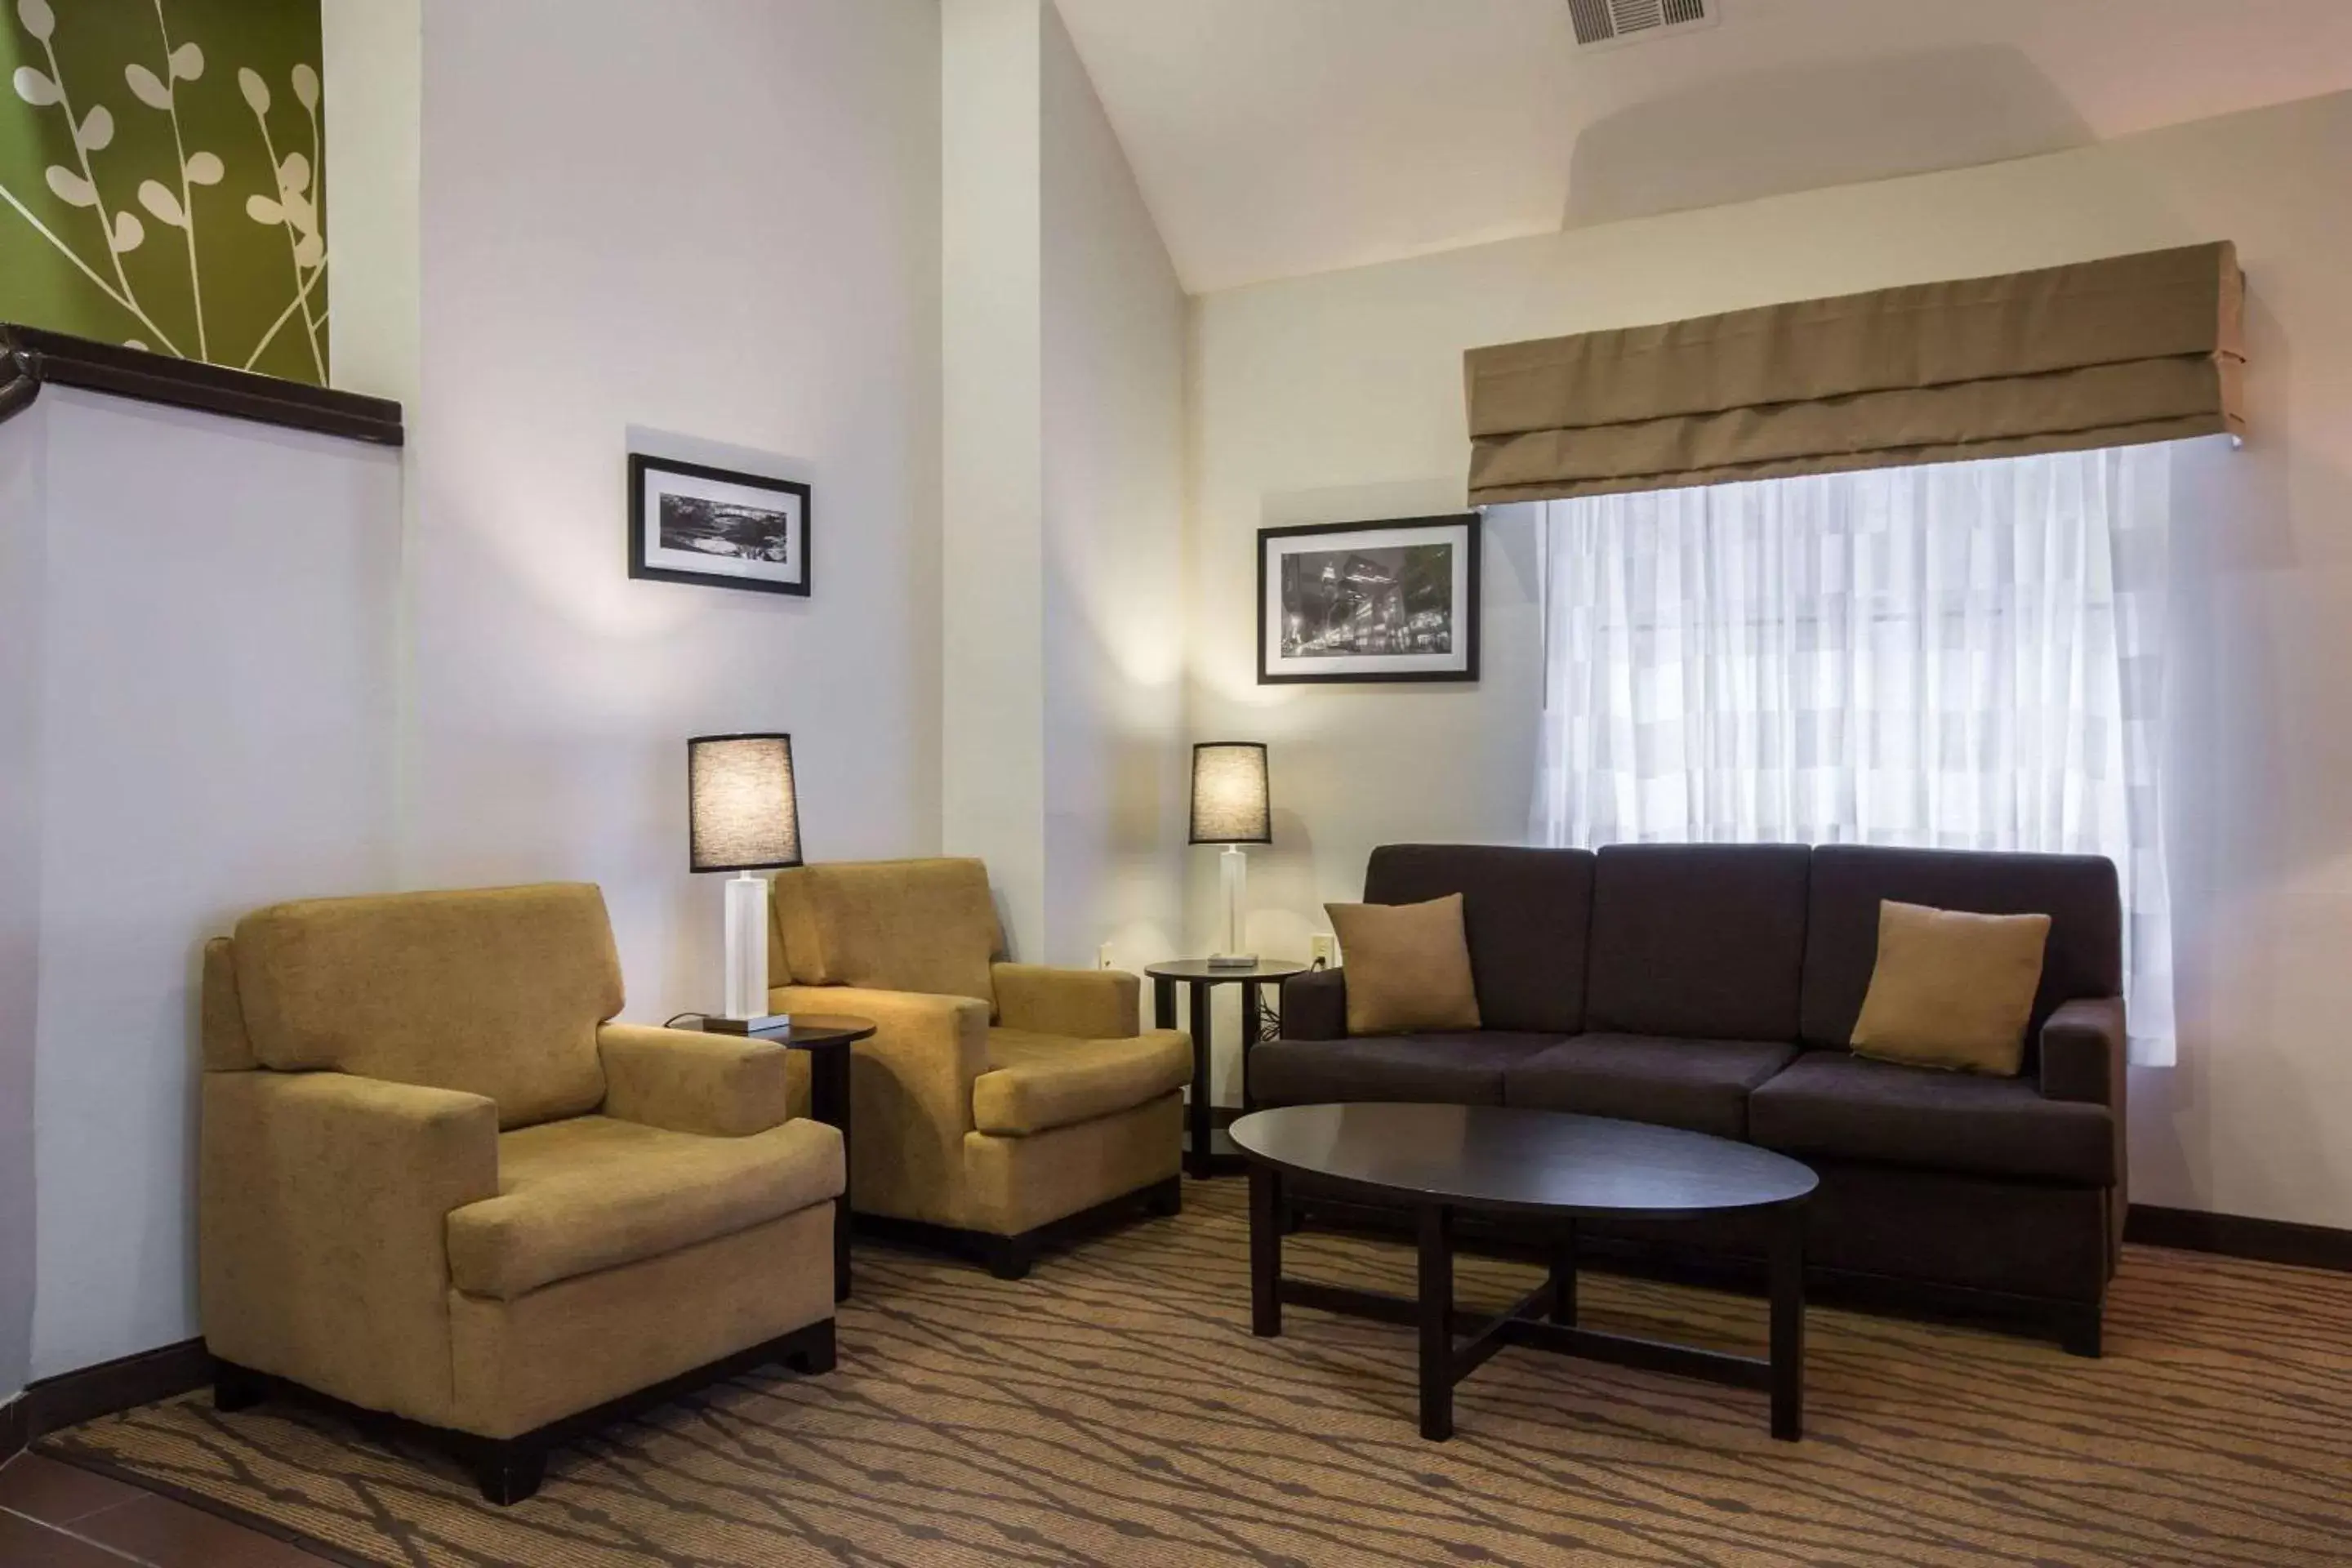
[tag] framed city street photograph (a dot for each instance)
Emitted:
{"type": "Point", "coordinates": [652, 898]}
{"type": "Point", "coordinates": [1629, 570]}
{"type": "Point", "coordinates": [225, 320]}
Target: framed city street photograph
{"type": "Point", "coordinates": [688, 523]}
{"type": "Point", "coordinates": [1368, 601]}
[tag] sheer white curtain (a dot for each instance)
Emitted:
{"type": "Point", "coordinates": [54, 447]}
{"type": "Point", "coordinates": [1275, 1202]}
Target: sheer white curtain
{"type": "Point", "coordinates": [1965, 656]}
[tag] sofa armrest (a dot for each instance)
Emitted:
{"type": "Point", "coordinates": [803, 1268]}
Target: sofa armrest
{"type": "Point", "coordinates": [1086, 1004]}
{"type": "Point", "coordinates": [909, 1092]}
{"type": "Point", "coordinates": [683, 1080]}
{"type": "Point", "coordinates": [2082, 1052]}
{"type": "Point", "coordinates": [1315, 1005]}
{"type": "Point", "coordinates": [323, 1211]}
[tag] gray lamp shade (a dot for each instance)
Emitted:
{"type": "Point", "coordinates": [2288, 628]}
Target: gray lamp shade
{"type": "Point", "coordinates": [1230, 804]}
{"type": "Point", "coordinates": [745, 814]}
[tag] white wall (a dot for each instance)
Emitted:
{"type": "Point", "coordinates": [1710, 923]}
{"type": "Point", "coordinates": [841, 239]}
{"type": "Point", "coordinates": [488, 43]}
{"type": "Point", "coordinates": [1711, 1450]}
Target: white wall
{"type": "Point", "coordinates": [992, 531]}
{"type": "Point", "coordinates": [1339, 397]}
{"type": "Point", "coordinates": [1116, 762]}
{"type": "Point", "coordinates": [24, 497]}
{"type": "Point", "coordinates": [1064, 510]}
{"type": "Point", "coordinates": [214, 731]}
{"type": "Point", "coordinates": [720, 219]}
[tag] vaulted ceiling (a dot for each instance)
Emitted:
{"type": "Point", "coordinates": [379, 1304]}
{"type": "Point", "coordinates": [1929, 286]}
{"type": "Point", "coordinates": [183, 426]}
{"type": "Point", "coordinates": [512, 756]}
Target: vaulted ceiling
{"type": "Point", "coordinates": [1279, 137]}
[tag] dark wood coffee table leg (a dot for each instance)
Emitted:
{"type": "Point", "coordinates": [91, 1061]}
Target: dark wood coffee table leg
{"type": "Point", "coordinates": [1197, 1163]}
{"type": "Point", "coordinates": [1789, 1325]}
{"type": "Point", "coordinates": [1563, 1276]}
{"type": "Point", "coordinates": [1265, 1251]}
{"type": "Point", "coordinates": [1436, 1321]}
{"type": "Point", "coordinates": [829, 1103]}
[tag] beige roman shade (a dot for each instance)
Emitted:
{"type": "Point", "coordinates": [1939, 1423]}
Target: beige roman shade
{"type": "Point", "coordinates": [2100, 353]}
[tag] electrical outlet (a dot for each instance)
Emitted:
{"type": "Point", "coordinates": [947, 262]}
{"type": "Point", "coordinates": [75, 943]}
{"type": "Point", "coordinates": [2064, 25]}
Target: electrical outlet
{"type": "Point", "coordinates": [1102, 956]}
{"type": "Point", "coordinates": [1323, 950]}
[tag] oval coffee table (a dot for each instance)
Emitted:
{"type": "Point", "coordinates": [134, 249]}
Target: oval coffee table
{"type": "Point", "coordinates": [1440, 1161]}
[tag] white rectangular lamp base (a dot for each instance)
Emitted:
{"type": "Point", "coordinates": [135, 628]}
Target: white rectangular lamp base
{"type": "Point", "coordinates": [747, 961]}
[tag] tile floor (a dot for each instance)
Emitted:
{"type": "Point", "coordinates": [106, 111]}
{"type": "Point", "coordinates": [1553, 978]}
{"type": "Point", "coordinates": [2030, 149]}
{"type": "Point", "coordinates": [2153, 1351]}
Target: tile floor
{"type": "Point", "coordinates": [54, 1516]}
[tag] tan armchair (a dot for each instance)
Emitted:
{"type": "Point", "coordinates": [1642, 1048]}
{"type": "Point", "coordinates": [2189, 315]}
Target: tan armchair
{"type": "Point", "coordinates": [435, 1182]}
{"type": "Point", "coordinates": [1000, 1102]}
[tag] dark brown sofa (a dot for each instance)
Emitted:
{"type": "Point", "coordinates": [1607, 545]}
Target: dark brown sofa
{"type": "Point", "coordinates": [1712, 987]}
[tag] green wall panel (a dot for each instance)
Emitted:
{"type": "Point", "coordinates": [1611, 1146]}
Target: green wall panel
{"type": "Point", "coordinates": [160, 177]}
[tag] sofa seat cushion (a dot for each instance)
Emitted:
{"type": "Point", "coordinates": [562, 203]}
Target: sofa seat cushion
{"type": "Point", "coordinates": [594, 1193]}
{"type": "Point", "coordinates": [1038, 1082]}
{"type": "Point", "coordinates": [1848, 1107]}
{"type": "Point", "coordinates": [1701, 1085]}
{"type": "Point", "coordinates": [1464, 1069]}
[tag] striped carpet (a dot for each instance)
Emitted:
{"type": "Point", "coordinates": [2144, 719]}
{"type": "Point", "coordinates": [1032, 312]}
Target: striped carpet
{"type": "Point", "coordinates": [1114, 1410]}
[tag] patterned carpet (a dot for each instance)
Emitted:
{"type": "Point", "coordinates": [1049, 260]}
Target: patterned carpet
{"type": "Point", "coordinates": [1114, 1410]}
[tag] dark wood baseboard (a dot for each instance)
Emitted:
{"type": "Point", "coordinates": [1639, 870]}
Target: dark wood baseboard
{"type": "Point", "coordinates": [2236, 1236]}
{"type": "Point", "coordinates": [71, 1398]}
{"type": "Point", "coordinates": [13, 1436]}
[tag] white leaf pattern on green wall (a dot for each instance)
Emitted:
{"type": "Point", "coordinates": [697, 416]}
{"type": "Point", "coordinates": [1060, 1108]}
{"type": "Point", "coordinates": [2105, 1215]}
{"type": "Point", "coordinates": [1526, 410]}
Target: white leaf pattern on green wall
{"type": "Point", "coordinates": [147, 87]}
{"type": "Point", "coordinates": [71, 188]}
{"type": "Point", "coordinates": [86, 180]}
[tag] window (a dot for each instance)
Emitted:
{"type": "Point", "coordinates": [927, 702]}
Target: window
{"type": "Point", "coordinates": [1965, 656]}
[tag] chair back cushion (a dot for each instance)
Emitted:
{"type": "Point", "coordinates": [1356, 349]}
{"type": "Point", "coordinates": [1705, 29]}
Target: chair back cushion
{"type": "Point", "coordinates": [1701, 941]}
{"type": "Point", "coordinates": [890, 925]}
{"type": "Point", "coordinates": [495, 991]}
{"type": "Point", "coordinates": [1524, 912]}
{"type": "Point", "coordinates": [2084, 957]}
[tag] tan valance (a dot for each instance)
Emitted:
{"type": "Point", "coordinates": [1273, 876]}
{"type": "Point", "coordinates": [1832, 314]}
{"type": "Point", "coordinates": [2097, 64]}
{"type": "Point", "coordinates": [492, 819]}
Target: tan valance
{"type": "Point", "coordinates": [2101, 353]}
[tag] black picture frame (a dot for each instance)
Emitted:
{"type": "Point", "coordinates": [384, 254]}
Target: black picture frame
{"type": "Point", "coordinates": [1363, 668]}
{"type": "Point", "coordinates": [649, 561]}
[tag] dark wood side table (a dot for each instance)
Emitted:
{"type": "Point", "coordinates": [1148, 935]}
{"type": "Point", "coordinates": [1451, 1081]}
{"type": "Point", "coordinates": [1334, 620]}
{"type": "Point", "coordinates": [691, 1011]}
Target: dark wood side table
{"type": "Point", "coordinates": [827, 1039]}
{"type": "Point", "coordinates": [1199, 977]}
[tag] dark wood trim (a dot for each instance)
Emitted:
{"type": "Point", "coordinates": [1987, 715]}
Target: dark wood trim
{"type": "Point", "coordinates": [2240, 1236]}
{"type": "Point", "coordinates": [1011, 1256]}
{"type": "Point", "coordinates": [71, 1398]}
{"type": "Point", "coordinates": [13, 1433]}
{"type": "Point", "coordinates": [510, 1469]}
{"type": "Point", "coordinates": [33, 357]}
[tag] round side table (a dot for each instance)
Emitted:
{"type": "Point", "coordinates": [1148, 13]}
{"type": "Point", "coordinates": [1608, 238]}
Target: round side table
{"type": "Point", "coordinates": [826, 1039]}
{"type": "Point", "coordinates": [1203, 1158]}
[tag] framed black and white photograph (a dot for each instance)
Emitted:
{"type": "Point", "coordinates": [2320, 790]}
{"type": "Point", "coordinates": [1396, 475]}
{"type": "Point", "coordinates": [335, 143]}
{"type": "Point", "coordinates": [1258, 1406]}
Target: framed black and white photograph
{"type": "Point", "coordinates": [689, 523]}
{"type": "Point", "coordinates": [1368, 601]}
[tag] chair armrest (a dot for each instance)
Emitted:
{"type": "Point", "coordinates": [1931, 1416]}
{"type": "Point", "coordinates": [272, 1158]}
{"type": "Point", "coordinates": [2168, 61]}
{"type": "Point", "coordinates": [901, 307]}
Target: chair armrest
{"type": "Point", "coordinates": [683, 1080]}
{"type": "Point", "coordinates": [2082, 1052]}
{"type": "Point", "coordinates": [909, 1092]}
{"type": "Point", "coordinates": [322, 1208]}
{"type": "Point", "coordinates": [1087, 1003]}
{"type": "Point", "coordinates": [1315, 1005]}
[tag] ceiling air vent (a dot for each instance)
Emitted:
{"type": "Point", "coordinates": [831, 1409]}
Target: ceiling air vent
{"type": "Point", "coordinates": [1615, 21]}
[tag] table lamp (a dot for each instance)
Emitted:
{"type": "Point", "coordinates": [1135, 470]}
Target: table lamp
{"type": "Point", "coordinates": [744, 817]}
{"type": "Point", "coordinates": [1229, 806]}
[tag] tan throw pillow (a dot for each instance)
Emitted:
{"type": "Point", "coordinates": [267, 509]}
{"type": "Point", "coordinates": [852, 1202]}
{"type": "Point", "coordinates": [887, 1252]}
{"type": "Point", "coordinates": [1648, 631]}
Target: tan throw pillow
{"type": "Point", "coordinates": [1951, 989]}
{"type": "Point", "coordinates": [1408, 967]}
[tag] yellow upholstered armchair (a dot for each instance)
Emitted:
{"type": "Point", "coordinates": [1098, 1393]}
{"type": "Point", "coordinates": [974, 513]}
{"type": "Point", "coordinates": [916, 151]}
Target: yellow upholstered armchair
{"type": "Point", "coordinates": [1000, 1103]}
{"type": "Point", "coordinates": [436, 1182]}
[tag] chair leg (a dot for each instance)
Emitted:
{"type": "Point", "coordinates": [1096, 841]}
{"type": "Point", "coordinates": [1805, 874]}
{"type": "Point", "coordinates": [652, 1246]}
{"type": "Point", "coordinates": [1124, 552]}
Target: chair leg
{"type": "Point", "coordinates": [1010, 1257]}
{"type": "Point", "coordinates": [818, 1356]}
{"type": "Point", "coordinates": [2081, 1332]}
{"type": "Point", "coordinates": [509, 1472]}
{"type": "Point", "coordinates": [236, 1388]}
{"type": "Point", "coordinates": [1166, 1199]}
